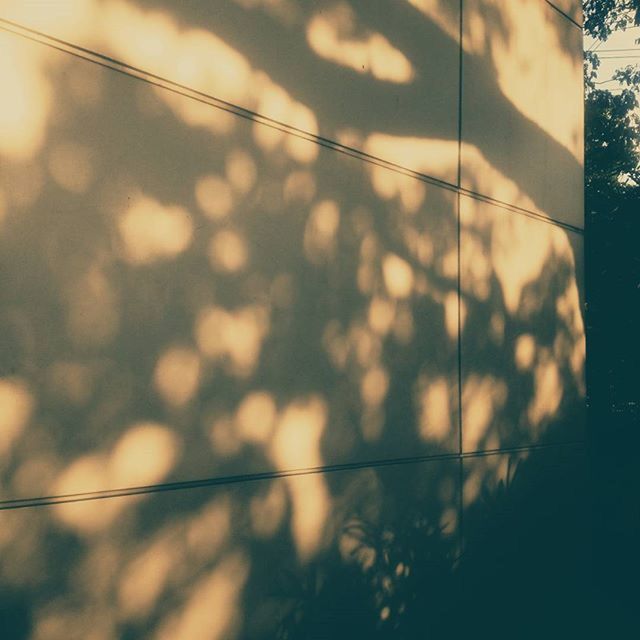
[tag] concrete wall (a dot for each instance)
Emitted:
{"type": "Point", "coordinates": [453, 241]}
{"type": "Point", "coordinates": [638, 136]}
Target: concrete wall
{"type": "Point", "coordinates": [291, 296]}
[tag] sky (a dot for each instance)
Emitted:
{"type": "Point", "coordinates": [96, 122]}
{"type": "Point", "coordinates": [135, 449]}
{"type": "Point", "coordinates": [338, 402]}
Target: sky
{"type": "Point", "coordinates": [611, 56]}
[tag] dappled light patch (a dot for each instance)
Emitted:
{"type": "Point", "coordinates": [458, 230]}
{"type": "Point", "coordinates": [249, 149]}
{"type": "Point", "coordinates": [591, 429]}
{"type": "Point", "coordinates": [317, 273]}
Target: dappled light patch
{"type": "Point", "coordinates": [214, 196]}
{"type": "Point", "coordinates": [16, 407]}
{"type": "Point", "coordinates": [437, 158]}
{"type": "Point", "coordinates": [195, 295]}
{"type": "Point", "coordinates": [146, 575]}
{"type": "Point", "coordinates": [548, 389]}
{"type": "Point", "coordinates": [152, 232]}
{"type": "Point", "coordinates": [233, 338]}
{"type": "Point", "coordinates": [177, 375]}
{"type": "Point", "coordinates": [274, 100]}
{"type": "Point", "coordinates": [525, 350]}
{"type": "Point", "coordinates": [296, 445]}
{"type": "Point", "coordinates": [524, 78]}
{"type": "Point", "coordinates": [143, 455]}
{"type": "Point", "coordinates": [211, 607]}
{"type": "Point", "coordinates": [482, 397]}
{"type": "Point", "coordinates": [433, 399]}
{"type": "Point", "coordinates": [25, 117]}
{"type": "Point", "coordinates": [255, 417]}
{"type": "Point", "coordinates": [398, 276]}
{"type": "Point", "coordinates": [153, 40]}
{"type": "Point", "coordinates": [228, 251]}
{"type": "Point", "coordinates": [334, 35]}
{"type": "Point", "coordinates": [241, 171]}
{"type": "Point", "coordinates": [320, 231]}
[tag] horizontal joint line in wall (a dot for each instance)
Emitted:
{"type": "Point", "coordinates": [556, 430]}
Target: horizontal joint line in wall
{"type": "Point", "coordinates": [24, 503]}
{"type": "Point", "coordinates": [562, 13]}
{"type": "Point", "coordinates": [193, 94]}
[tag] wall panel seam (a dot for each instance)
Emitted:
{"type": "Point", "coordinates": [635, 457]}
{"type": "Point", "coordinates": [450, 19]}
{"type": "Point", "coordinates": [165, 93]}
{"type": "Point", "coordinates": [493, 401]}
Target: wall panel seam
{"type": "Point", "coordinates": [193, 94]}
{"type": "Point", "coordinates": [23, 503]}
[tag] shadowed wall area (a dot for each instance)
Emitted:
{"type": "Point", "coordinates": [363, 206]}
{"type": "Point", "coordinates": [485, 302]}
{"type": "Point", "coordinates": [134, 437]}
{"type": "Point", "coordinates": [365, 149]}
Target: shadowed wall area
{"type": "Point", "coordinates": [291, 336]}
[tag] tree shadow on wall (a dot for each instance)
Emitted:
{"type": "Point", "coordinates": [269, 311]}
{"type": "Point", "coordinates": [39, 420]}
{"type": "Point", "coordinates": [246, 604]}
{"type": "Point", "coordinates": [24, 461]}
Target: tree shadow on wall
{"type": "Point", "coordinates": [525, 570]}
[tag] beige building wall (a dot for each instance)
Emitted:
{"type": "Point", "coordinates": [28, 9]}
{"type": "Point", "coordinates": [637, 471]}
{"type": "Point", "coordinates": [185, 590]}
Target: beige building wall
{"type": "Point", "coordinates": [276, 275]}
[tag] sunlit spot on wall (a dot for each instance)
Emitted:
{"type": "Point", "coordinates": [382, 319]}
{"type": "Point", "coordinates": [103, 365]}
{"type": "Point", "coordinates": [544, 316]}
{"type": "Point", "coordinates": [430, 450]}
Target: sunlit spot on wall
{"type": "Point", "coordinates": [481, 176]}
{"type": "Point", "coordinates": [4, 207]}
{"type": "Point", "coordinates": [354, 546]}
{"type": "Point", "coordinates": [71, 166]}
{"type": "Point", "coordinates": [66, 620]}
{"type": "Point", "coordinates": [549, 389]}
{"type": "Point", "coordinates": [25, 110]}
{"type": "Point", "coordinates": [381, 315]}
{"type": "Point", "coordinates": [241, 170]}
{"type": "Point", "coordinates": [96, 573]}
{"type": "Point", "coordinates": [389, 184]}
{"type": "Point", "coordinates": [255, 416]}
{"type": "Point", "coordinates": [398, 276]}
{"type": "Point", "coordinates": [432, 399]}
{"type": "Point", "coordinates": [482, 397]}
{"type": "Point", "coordinates": [63, 18]}
{"type": "Point", "coordinates": [525, 351]}
{"type": "Point", "coordinates": [335, 344]}
{"type": "Point", "coordinates": [296, 445]}
{"type": "Point", "coordinates": [212, 607]}
{"type": "Point", "coordinates": [451, 315]}
{"type": "Point", "coordinates": [437, 158]}
{"type": "Point", "coordinates": [299, 186]}
{"type": "Point", "coordinates": [520, 248]}
{"type": "Point", "coordinates": [573, 346]}
{"type": "Point", "coordinates": [374, 387]}
{"type": "Point", "coordinates": [70, 381]}
{"type": "Point", "coordinates": [208, 530]}
{"type": "Point", "coordinates": [143, 455]}
{"type": "Point", "coordinates": [524, 78]}
{"type": "Point", "coordinates": [334, 35]}
{"type": "Point", "coordinates": [320, 231]}
{"type": "Point", "coordinates": [214, 196]}
{"type": "Point", "coordinates": [475, 267]}
{"type": "Point", "coordinates": [228, 251]}
{"type": "Point", "coordinates": [151, 231]}
{"type": "Point", "coordinates": [365, 344]}
{"type": "Point", "coordinates": [152, 40]}
{"type": "Point", "coordinates": [436, 11]}
{"type": "Point", "coordinates": [177, 375]}
{"type": "Point", "coordinates": [88, 473]}
{"type": "Point", "coordinates": [93, 313]}
{"type": "Point", "coordinates": [233, 338]}
{"type": "Point", "coordinates": [276, 102]}
{"type": "Point", "coordinates": [197, 114]}
{"type": "Point", "coordinates": [145, 577]}
{"type": "Point", "coordinates": [16, 407]}
{"type": "Point", "coordinates": [267, 510]}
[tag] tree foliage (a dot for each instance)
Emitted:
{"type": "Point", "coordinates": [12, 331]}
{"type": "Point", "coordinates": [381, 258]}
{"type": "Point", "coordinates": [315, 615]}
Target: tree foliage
{"type": "Point", "coordinates": [612, 140]}
{"type": "Point", "coordinates": [603, 17]}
